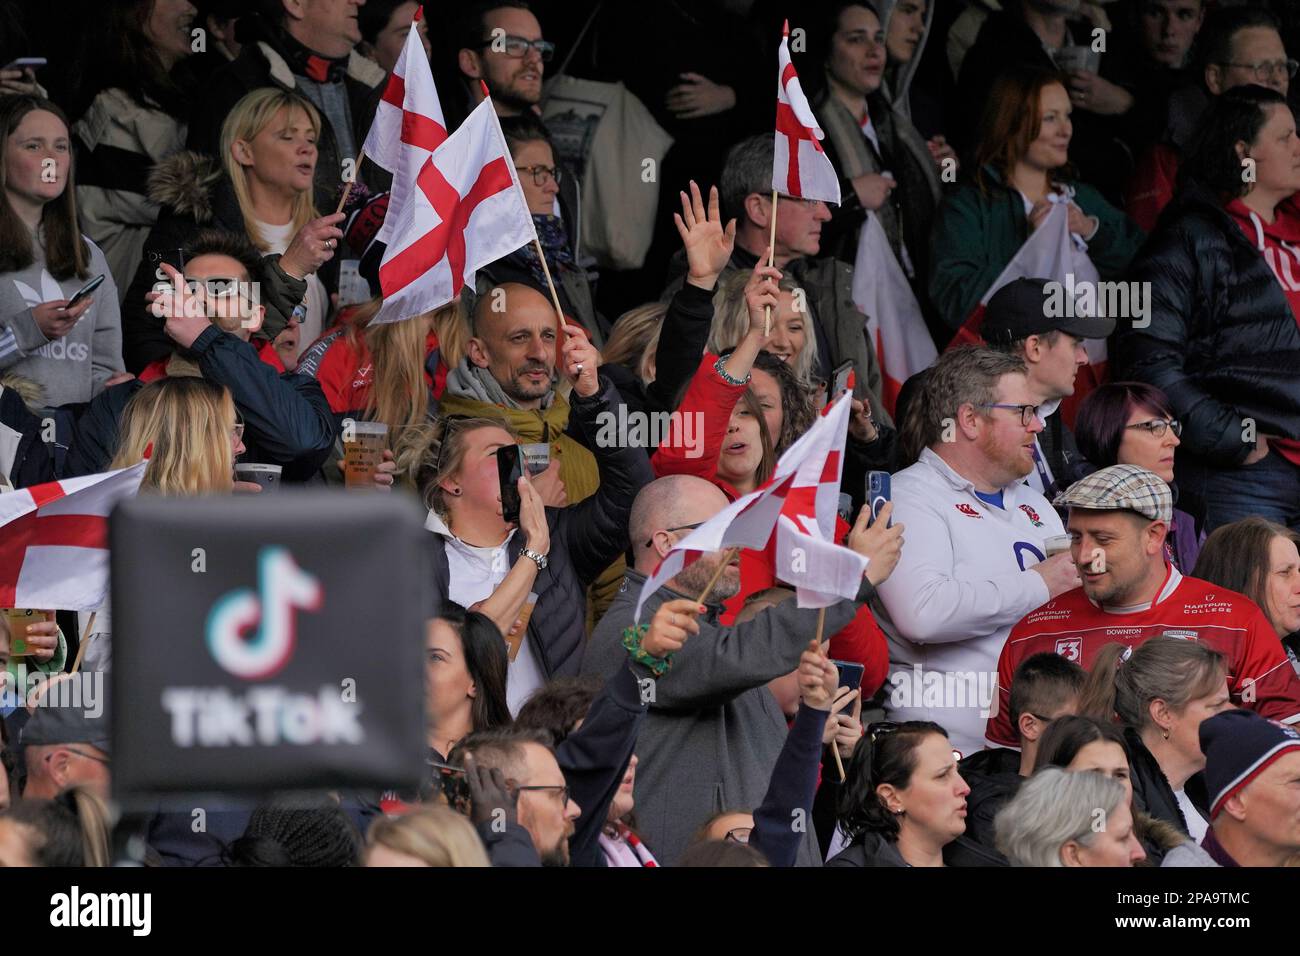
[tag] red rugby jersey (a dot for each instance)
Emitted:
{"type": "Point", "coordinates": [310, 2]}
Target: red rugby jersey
{"type": "Point", "coordinates": [1260, 677]}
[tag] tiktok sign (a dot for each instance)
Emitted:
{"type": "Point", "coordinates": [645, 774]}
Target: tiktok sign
{"type": "Point", "coordinates": [252, 633]}
{"type": "Point", "coordinates": [276, 644]}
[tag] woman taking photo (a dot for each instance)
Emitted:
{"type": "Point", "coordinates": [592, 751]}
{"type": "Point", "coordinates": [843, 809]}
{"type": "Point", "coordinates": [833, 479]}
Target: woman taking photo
{"type": "Point", "coordinates": [1160, 692]}
{"type": "Point", "coordinates": [44, 260]}
{"type": "Point", "coordinates": [1131, 423]}
{"type": "Point", "coordinates": [261, 188]}
{"type": "Point", "coordinates": [1022, 169]}
{"type": "Point", "coordinates": [904, 801]}
{"type": "Point", "coordinates": [1222, 339]}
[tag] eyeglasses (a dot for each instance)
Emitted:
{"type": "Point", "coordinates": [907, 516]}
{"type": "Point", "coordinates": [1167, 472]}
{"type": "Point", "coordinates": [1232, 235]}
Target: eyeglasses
{"type": "Point", "coordinates": [563, 790]}
{"type": "Point", "coordinates": [1269, 69]}
{"type": "Point", "coordinates": [237, 431]}
{"type": "Point", "coordinates": [1158, 426]}
{"type": "Point", "coordinates": [222, 287]}
{"type": "Point", "coordinates": [680, 527]}
{"type": "Point", "coordinates": [1027, 412]}
{"type": "Point", "coordinates": [74, 750]}
{"type": "Point", "coordinates": [880, 728]}
{"type": "Point", "coordinates": [518, 47]}
{"type": "Point", "coordinates": [738, 835]}
{"type": "Point", "coordinates": [541, 173]}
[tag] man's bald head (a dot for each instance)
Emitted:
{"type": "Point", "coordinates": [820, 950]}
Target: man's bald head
{"type": "Point", "coordinates": [514, 339]}
{"type": "Point", "coordinates": [671, 502]}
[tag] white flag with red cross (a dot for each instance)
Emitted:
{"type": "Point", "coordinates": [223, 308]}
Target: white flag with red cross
{"type": "Point", "coordinates": [1051, 252]}
{"type": "Point", "coordinates": [409, 123]}
{"type": "Point", "coordinates": [54, 540]}
{"type": "Point", "coordinates": [800, 166]}
{"type": "Point", "coordinates": [466, 209]}
{"type": "Point", "coordinates": [804, 553]}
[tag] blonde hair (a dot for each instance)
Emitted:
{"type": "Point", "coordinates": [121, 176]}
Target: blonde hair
{"type": "Point", "coordinates": [246, 120]}
{"type": "Point", "coordinates": [731, 322]}
{"type": "Point", "coordinates": [187, 421]}
{"type": "Point", "coordinates": [438, 836]}
{"type": "Point", "coordinates": [445, 453]}
{"type": "Point", "coordinates": [634, 339]}
{"type": "Point", "coordinates": [398, 393]}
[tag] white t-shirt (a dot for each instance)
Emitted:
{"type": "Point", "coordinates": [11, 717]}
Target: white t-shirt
{"type": "Point", "coordinates": [277, 239]}
{"type": "Point", "coordinates": [473, 574]}
{"type": "Point", "coordinates": [1196, 824]}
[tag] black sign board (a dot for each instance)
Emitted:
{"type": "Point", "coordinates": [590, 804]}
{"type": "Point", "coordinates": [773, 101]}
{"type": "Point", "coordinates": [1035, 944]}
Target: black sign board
{"type": "Point", "coordinates": [267, 643]}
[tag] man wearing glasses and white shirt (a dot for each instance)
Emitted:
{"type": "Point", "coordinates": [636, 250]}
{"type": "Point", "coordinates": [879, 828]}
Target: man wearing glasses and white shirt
{"type": "Point", "coordinates": [975, 561]}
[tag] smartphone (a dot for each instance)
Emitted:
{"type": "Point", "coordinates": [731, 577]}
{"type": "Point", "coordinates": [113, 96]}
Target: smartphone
{"type": "Point", "coordinates": [18, 618]}
{"type": "Point", "coordinates": [510, 466]}
{"type": "Point", "coordinates": [877, 492]}
{"type": "Point", "coordinates": [840, 380]}
{"type": "Point", "coordinates": [84, 291]}
{"type": "Point", "coordinates": [850, 673]}
{"type": "Point", "coordinates": [26, 62]}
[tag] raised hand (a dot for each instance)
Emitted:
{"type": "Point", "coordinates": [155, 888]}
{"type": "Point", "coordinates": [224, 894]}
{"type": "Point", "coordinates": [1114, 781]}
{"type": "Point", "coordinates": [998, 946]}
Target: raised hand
{"type": "Point", "coordinates": [762, 291]}
{"type": "Point", "coordinates": [532, 517]}
{"type": "Point", "coordinates": [312, 246]}
{"type": "Point", "coordinates": [708, 246]}
{"type": "Point", "coordinates": [818, 677]}
{"type": "Point", "coordinates": [580, 360]}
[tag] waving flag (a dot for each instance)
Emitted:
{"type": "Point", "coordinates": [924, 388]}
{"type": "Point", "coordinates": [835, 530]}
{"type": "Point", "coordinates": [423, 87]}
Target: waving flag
{"type": "Point", "coordinates": [466, 209]}
{"type": "Point", "coordinates": [802, 494]}
{"type": "Point", "coordinates": [895, 324]}
{"type": "Point", "coordinates": [409, 124]}
{"type": "Point", "coordinates": [1050, 252]}
{"type": "Point", "coordinates": [802, 551]}
{"type": "Point", "coordinates": [800, 167]}
{"type": "Point", "coordinates": [54, 540]}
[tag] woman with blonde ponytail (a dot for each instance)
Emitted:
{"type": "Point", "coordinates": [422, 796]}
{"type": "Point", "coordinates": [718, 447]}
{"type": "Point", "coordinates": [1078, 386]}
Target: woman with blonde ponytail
{"type": "Point", "coordinates": [69, 830]}
{"type": "Point", "coordinates": [1160, 692]}
{"type": "Point", "coordinates": [390, 373]}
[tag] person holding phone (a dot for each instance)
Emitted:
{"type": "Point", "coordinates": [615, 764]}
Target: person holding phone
{"type": "Point", "coordinates": [478, 556]}
{"type": "Point", "coordinates": [72, 351]}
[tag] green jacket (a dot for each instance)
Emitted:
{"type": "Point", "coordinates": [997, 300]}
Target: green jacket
{"type": "Point", "coordinates": [976, 233]}
{"type": "Point", "coordinates": [18, 667]}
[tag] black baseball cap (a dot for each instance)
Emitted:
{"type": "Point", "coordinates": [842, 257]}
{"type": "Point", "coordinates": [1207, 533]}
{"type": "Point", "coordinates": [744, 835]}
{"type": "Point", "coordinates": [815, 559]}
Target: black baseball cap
{"type": "Point", "coordinates": [1021, 309]}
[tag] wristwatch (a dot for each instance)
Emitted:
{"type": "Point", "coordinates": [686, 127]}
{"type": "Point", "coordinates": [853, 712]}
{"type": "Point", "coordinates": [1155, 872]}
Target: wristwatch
{"type": "Point", "coordinates": [538, 559]}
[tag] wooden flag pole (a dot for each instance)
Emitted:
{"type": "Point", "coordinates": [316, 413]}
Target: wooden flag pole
{"type": "Point", "coordinates": [821, 626]}
{"type": "Point", "coordinates": [555, 299]}
{"type": "Point", "coordinates": [356, 171]}
{"type": "Point", "coordinates": [771, 261]}
{"type": "Point", "coordinates": [85, 638]}
{"type": "Point", "coordinates": [717, 573]}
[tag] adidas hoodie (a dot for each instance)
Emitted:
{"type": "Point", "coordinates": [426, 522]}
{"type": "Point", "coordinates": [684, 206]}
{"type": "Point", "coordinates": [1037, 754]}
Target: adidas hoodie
{"type": "Point", "coordinates": [73, 368]}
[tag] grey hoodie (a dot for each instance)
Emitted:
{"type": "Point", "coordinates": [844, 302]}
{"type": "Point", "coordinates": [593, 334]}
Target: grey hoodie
{"type": "Point", "coordinates": [714, 730]}
{"type": "Point", "coordinates": [75, 367]}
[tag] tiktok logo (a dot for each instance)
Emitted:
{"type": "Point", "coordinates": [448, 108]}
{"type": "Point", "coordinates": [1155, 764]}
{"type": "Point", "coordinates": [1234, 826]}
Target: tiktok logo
{"type": "Point", "coordinates": [234, 636]}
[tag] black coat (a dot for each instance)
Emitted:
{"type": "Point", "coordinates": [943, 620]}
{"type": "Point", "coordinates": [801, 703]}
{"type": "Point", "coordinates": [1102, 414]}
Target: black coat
{"type": "Point", "coordinates": [287, 419]}
{"type": "Point", "coordinates": [252, 69]}
{"type": "Point", "coordinates": [194, 193]}
{"type": "Point", "coordinates": [1222, 341]}
{"type": "Point", "coordinates": [585, 539]}
{"type": "Point", "coordinates": [1151, 790]}
{"type": "Point", "coordinates": [994, 777]}
{"type": "Point", "coordinates": [874, 850]}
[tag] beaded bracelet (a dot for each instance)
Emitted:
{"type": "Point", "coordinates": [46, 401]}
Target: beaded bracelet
{"type": "Point", "coordinates": [725, 376]}
{"type": "Point", "coordinates": [632, 637]}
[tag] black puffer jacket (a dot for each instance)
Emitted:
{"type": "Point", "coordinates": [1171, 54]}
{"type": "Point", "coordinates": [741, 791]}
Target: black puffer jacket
{"type": "Point", "coordinates": [994, 777]}
{"type": "Point", "coordinates": [1222, 341]}
{"type": "Point", "coordinates": [585, 539]}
